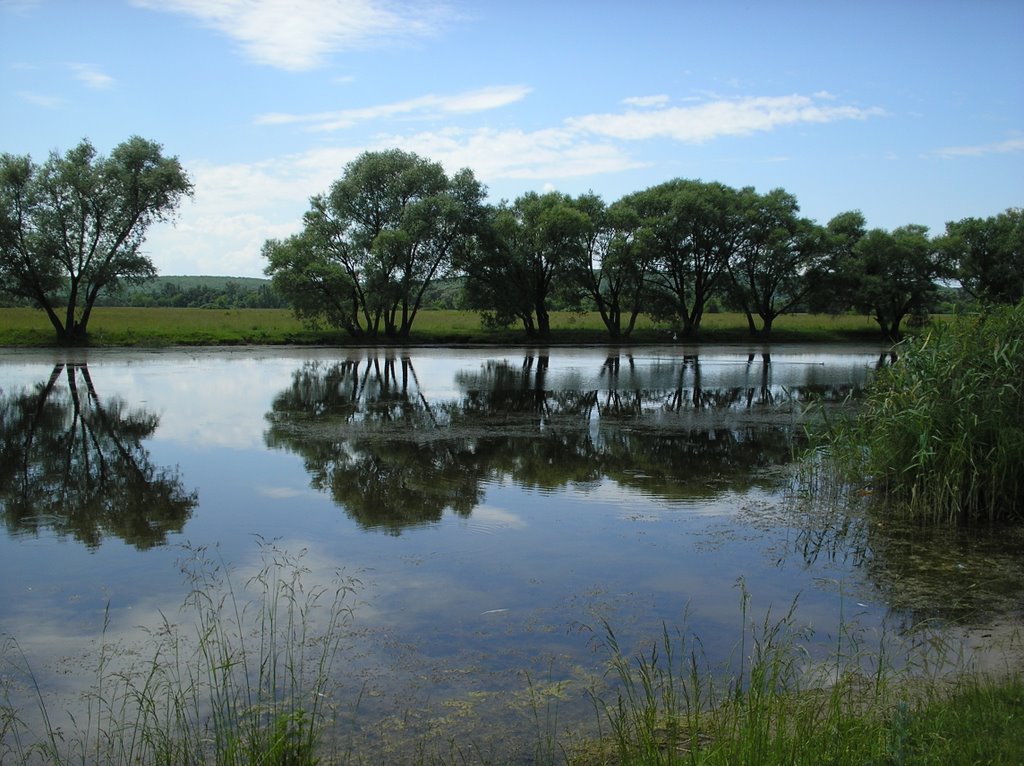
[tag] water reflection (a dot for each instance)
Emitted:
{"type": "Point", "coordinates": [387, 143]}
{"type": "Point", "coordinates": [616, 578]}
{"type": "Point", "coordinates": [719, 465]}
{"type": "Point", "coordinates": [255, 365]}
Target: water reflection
{"type": "Point", "coordinates": [922, 573]}
{"type": "Point", "coordinates": [75, 464]}
{"type": "Point", "coordinates": [393, 456]}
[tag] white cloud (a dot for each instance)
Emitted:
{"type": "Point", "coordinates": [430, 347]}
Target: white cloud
{"type": "Point", "coordinates": [516, 154]}
{"type": "Point", "coordinates": [642, 101]}
{"type": "Point", "coordinates": [40, 99]}
{"type": "Point", "coordinates": [724, 117]}
{"type": "Point", "coordinates": [237, 207]}
{"type": "Point", "coordinates": [467, 102]}
{"type": "Point", "coordinates": [1013, 144]}
{"type": "Point", "coordinates": [91, 76]}
{"type": "Point", "coordinates": [298, 35]}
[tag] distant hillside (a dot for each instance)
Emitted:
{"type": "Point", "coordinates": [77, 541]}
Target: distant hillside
{"type": "Point", "coordinates": [190, 282]}
{"type": "Point", "coordinates": [198, 292]}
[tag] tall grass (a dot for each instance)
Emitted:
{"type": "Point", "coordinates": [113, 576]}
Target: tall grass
{"type": "Point", "coordinates": [778, 705]}
{"type": "Point", "coordinates": [249, 682]}
{"type": "Point", "coordinates": [245, 679]}
{"type": "Point", "coordinates": [941, 432]}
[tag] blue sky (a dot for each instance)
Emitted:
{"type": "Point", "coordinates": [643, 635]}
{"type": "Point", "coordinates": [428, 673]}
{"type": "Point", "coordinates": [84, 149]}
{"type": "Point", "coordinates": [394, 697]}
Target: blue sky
{"type": "Point", "coordinates": [910, 111]}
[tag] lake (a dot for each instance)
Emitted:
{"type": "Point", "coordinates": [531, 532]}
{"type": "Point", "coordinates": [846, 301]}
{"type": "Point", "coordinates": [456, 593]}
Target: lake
{"type": "Point", "coordinates": [498, 507]}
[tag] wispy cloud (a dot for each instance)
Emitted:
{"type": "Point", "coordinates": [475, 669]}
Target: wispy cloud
{"type": "Point", "coordinates": [642, 101]}
{"type": "Point", "coordinates": [90, 76]}
{"type": "Point", "coordinates": [19, 7]}
{"type": "Point", "coordinates": [460, 103]}
{"type": "Point", "coordinates": [724, 117]}
{"type": "Point", "coordinates": [516, 154]}
{"type": "Point", "coordinates": [298, 35]}
{"type": "Point", "coordinates": [1012, 144]}
{"type": "Point", "coordinates": [42, 100]}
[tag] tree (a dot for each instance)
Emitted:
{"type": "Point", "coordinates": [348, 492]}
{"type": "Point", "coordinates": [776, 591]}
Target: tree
{"type": "Point", "coordinates": [894, 274]}
{"type": "Point", "coordinates": [532, 244]}
{"type": "Point", "coordinates": [73, 227]}
{"type": "Point", "coordinates": [987, 255]}
{"type": "Point", "coordinates": [769, 268]}
{"type": "Point", "coordinates": [371, 247]}
{"type": "Point", "coordinates": [314, 286]}
{"type": "Point", "coordinates": [614, 264]}
{"type": "Point", "coordinates": [831, 283]}
{"type": "Point", "coordinates": [695, 226]}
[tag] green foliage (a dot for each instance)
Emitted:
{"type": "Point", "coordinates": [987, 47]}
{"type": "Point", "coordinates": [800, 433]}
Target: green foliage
{"type": "Point", "coordinates": [894, 274]}
{"type": "Point", "coordinates": [987, 255]}
{"type": "Point", "coordinates": [613, 269]}
{"type": "Point", "coordinates": [531, 247]}
{"type": "Point", "coordinates": [693, 228]}
{"type": "Point", "coordinates": [371, 247]}
{"type": "Point", "coordinates": [941, 434]}
{"type": "Point", "coordinates": [200, 292]}
{"type": "Point", "coordinates": [73, 227]}
{"type": "Point", "coordinates": [769, 269]}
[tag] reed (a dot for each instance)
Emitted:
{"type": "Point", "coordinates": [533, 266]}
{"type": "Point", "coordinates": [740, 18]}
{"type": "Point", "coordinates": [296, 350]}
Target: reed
{"type": "Point", "coordinates": [941, 433]}
{"type": "Point", "coordinates": [776, 704]}
{"type": "Point", "coordinates": [247, 678]}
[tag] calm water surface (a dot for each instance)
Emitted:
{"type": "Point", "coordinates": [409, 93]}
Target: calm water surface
{"type": "Point", "coordinates": [495, 504]}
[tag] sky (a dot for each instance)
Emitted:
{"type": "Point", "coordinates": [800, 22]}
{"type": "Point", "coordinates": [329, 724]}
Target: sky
{"type": "Point", "coordinates": [911, 111]}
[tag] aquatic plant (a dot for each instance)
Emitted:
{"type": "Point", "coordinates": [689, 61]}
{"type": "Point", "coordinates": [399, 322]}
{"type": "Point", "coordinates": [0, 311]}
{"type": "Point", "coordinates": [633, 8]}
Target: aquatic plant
{"type": "Point", "coordinates": [246, 678]}
{"type": "Point", "coordinates": [941, 432]}
{"type": "Point", "coordinates": [776, 703]}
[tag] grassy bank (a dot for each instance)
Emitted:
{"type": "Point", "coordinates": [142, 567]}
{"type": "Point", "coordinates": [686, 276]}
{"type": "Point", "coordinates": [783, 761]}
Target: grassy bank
{"type": "Point", "coordinates": [26, 327]}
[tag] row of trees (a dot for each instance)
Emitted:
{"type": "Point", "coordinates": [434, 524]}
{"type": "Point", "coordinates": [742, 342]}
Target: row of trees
{"type": "Point", "coordinates": [395, 222]}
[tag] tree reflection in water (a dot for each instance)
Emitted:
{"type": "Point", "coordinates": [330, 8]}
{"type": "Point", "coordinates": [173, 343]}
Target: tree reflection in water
{"type": "Point", "coordinates": [74, 464]}
{"type": "Point", "coordinates": [369, 436]}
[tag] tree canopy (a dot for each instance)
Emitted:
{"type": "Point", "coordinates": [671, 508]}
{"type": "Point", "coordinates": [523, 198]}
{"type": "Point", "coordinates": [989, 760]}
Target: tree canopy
{"type": "Point", "coordinates": [987, 255]}
{"type": "Point", "coordinates": [532, 246]}
{"type": "Point", "coordinates": [894, 274]}
{"type": "Point", "coordinates": [372, 245]}
{"type": "Point", "coordinates": [73, 226]}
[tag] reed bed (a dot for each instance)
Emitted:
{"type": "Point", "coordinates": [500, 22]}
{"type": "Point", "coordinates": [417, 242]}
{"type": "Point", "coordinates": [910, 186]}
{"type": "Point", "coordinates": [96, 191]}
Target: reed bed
{"type": "Point", "coordinates": [940, 436]}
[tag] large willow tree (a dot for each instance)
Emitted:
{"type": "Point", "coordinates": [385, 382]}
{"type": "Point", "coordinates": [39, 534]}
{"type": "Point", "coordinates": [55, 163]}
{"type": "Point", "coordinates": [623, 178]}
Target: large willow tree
{"type": "Point", "coordinates": [372, 245]}
{"type": "Point", "coordinates": [73, 226]}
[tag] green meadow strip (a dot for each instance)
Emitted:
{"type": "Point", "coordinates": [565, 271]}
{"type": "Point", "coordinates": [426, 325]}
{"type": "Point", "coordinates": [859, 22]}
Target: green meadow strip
{"type": "Point", "coordinates": [154, 327]}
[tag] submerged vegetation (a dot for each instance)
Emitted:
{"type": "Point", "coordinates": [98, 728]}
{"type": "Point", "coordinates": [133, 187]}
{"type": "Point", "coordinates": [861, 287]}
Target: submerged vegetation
{"type": "Point", "coordinates": [245, 678]}
{"type": "Point", "coordinates": [941, 433]}
{"type": "Point", "coordinates": [249, 675]}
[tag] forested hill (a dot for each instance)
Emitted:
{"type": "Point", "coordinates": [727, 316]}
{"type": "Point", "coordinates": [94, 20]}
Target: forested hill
{"type": "Point", "coordinates": [198, 292]}
{"type": "Point", "coordinates": [239, 292]}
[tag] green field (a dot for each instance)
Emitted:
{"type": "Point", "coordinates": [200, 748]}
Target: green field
{"type": "Point", "coordinates": [26, 327]}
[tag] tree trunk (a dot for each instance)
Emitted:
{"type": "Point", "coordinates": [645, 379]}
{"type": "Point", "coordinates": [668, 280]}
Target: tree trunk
{"type": "Point", "coordinates": [543, 321]}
